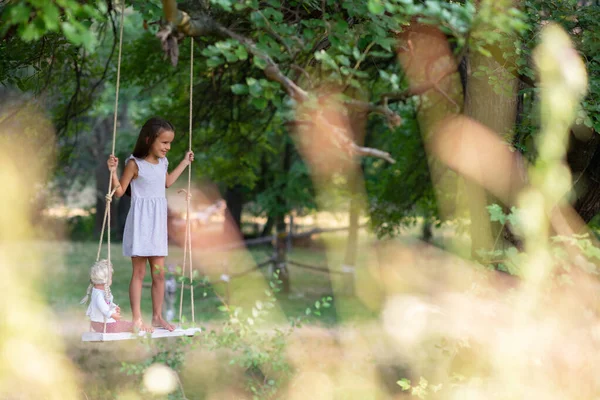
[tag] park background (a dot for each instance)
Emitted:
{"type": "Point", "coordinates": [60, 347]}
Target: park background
{"type": "Point", "coordinates": [411, 191]}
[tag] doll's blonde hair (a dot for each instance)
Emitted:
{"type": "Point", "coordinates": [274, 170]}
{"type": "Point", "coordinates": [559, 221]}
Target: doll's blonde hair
{"type": "Point", "coordinates": [100, 273]}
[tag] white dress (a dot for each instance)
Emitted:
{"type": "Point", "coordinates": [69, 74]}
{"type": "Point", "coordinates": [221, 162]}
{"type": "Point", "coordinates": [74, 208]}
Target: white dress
{"type": "Point", "coordinates": [145, 232]}
{"type": "Point", "coordinates": [99, 309]}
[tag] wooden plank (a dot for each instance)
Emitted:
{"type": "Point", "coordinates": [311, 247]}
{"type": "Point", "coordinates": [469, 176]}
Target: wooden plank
{"type": "Point", "coordinates": [157, 334]}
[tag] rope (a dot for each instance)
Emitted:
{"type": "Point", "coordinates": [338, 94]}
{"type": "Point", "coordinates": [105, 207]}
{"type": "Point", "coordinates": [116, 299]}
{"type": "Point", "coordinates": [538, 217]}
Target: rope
{"type": "Point", "coordinates": [111, 191]}
{"type": "Point", "coordinates": [106, 218]}
{"type": "Point", "coordinates": [114, 138]}
{"type": "Point", "coordinates": [190, 177]}
{"type": "Point", "coordinates": [187, 252]}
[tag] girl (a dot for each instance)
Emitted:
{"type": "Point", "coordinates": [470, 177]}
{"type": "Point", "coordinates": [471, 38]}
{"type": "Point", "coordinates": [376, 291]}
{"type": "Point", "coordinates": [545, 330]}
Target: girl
{"type": "Point", "coordinates": [102, 309]}
{"type": "Point", "coordinates": [145, 235]}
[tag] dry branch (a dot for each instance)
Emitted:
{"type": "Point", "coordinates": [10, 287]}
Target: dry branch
{"type": "Point", "coordinates": [203, 25]}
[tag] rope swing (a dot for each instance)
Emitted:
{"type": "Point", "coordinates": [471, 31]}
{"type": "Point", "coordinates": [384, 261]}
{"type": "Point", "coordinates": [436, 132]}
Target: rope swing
{"type": "Point", "coordinates": [111, 191]}
{"type": "Point", "coordinates": [102, 337]}
{"type": "Point", "coordinates": [187, 250]}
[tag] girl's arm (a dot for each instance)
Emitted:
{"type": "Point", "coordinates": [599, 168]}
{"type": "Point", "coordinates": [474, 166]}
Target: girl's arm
{"type": "Point", "coordinates": [172, 177]}
{"type": "Point", "coordinates": [130, 172]}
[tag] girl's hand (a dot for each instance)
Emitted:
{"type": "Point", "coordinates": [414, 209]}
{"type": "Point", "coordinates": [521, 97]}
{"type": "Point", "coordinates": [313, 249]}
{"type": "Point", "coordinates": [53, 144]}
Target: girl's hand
{"type": "Point", "coordinates": [189, 157]}
{"type": "Point", "coordinates": [112, 163]}
{"type": "Point", "coordinates": [116, 315]}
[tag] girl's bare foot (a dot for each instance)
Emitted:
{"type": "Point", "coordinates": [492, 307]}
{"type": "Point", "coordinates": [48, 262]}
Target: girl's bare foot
{"type": "Point", "coordinates": [139, 325]}
{"type": "Point", "coordinates": [159, 322]}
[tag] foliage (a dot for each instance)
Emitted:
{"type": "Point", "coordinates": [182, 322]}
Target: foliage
{"type": "Point", "coordinates": [81, 227]}
{"type": "Point", "coordinates": [347, 44]}
{"type": "Point", "coordinates": [260, 352]}
{"type": "Point", "coordinates": [402, 191]}
{"type": "Point", "coordinates": [171, 354]}
{"type": "Point", "coordinates": [511, 260]}
{"type": "Point", "coordinates": [34, 19]}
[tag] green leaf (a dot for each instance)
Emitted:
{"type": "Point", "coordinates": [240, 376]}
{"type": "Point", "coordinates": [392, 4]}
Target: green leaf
{"type": "Point", "coordinates": [226, 4]}
{"type": "Point", "coordinates": [323, 56]}
{"type": "Point", "coordinates": [230, 57]}
{"type": "Point", "coordinates": [88, 39]}
{"type": "Point", "coordinates": [385, 42]}
{"type": "Point", "coordinates": [213, 62]}
{"type": "Point", "coordinates": [224, 45]}
{"type": "Point", "coordinates": [434, 8]}
{"type": "Point", "coordinates": [404, 384]}
{"type": "Point", "coordinates": [484, 51]}
{"type": "Point", "coordinates": [241, 53]}
{"type": "Point", "coordinates": [259, 62]}
{"type": "Point", "coordinates": [256, 90]}
{"type": "Point", "coordinates": [376, 7]}
{"type": "Point", "coordinates": [514, 217]}
{"type": "Point", "coordinates": [259, 102]}
{"type": "Point", "coordinates": [71, 33]}
{"type": "Point", "coordinates": [18, 12]}
{"type": "Point", "coordinates": [343, 60]}
{"type": "Point", "coordinates": [496, 213]}
{"type": "Point", "coordinates": [30, 32]}
{"type": "Point", "coordinates": [239, 88]}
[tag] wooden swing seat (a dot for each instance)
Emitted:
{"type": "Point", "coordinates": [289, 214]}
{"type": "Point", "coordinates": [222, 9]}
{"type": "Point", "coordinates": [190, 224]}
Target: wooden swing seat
{"type": "Point", "coordinates": [157, 334]}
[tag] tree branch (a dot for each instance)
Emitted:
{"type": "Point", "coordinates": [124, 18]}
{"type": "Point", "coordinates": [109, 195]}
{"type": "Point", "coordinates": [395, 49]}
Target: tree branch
{"type": "Point", "coordinates": [393, 119]}
{"type": "Point", "coordinates": [204, 25]}
{"type": "Point", "coordinates": [416, 90]}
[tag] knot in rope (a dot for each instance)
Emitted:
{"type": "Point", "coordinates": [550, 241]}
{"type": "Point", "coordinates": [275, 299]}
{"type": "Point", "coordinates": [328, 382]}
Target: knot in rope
{"type": "Point", "coordinates": [110, 195]}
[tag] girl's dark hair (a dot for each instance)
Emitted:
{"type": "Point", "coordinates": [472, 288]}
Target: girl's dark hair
{"type": "Point", "coordinates": [148, 134]}
{"type": "Point", "coordinates": [150, 131]}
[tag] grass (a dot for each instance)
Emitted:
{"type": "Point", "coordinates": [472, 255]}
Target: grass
{"type": "Point", "coordinates": [67, 266]}
{"type": "Point", "coordinates": [100, 364]}
{"type": "Point", "coordinates": [66, 276]}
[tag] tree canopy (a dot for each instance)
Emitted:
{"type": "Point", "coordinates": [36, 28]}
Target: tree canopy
{"type": "Point", "coordinates": [255, 60]}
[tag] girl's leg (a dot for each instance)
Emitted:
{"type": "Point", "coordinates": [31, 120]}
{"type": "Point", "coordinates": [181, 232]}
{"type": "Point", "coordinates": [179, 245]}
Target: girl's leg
{"type": "Point", "coordinates": [157, 266]}
{"type": "Point", "coordinates": [135, 291]}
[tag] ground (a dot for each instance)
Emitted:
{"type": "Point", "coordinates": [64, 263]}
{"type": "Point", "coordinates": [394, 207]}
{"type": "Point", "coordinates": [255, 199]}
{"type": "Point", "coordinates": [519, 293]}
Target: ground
{"type": "Point", "coordinates": [67, 265]}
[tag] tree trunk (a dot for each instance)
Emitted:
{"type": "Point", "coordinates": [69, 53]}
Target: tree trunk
{"type": "Point", "coordinates": [352, 239]}
{"type": "Point", "coordinates": [349, 265]}
{"type": "Point", "coordinates": [102, 137]}
{"type": "Point", "coordinates": [429, 62]}
{"type": "Point", "coordinates": [497, 109]}
{"type": "Point", "coordinates": [102, 133]}
{"type": "Point", "coordinates": [280, 225]}
{"type": "Point", "coordinates": [234, 197]}
{"type": "Point", "coordinates": [268, 228]}
{"type": "Point", "coordinates": [281, 254]}
{"type": "Point", "coordinates": [490, 99]}
{"type": "Point", "coordinates": [102, 175]}
{"type": "Point", "coordinates": [583, 158]}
